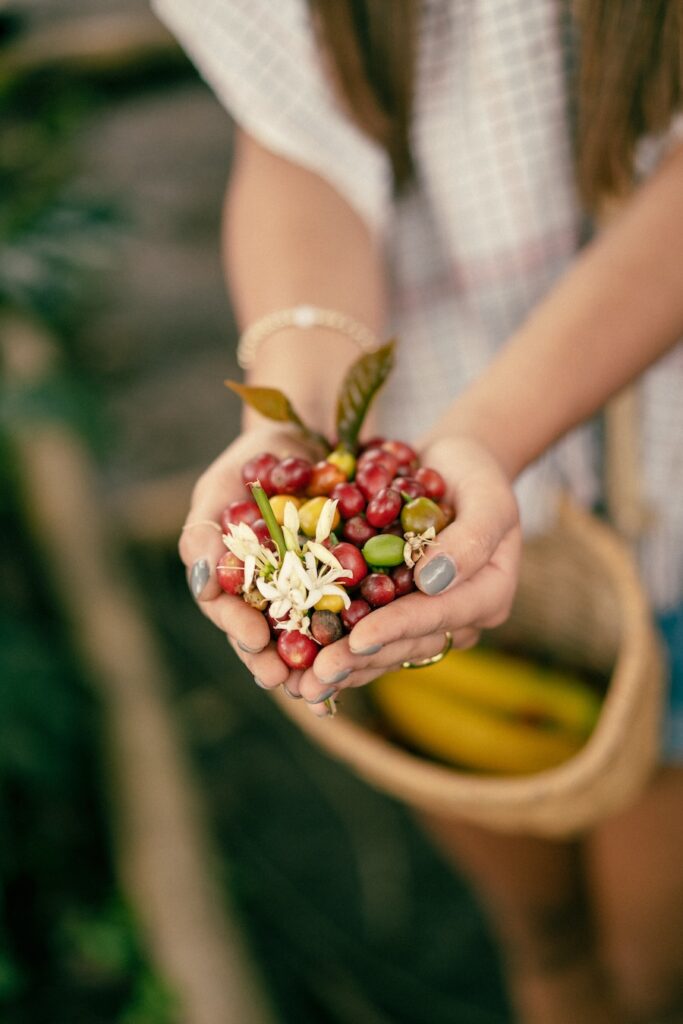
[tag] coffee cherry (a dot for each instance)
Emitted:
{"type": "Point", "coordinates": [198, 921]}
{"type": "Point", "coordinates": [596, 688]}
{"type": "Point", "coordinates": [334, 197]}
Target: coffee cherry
{"type": "Point", "coordinates": [394, 528]}
{"type": "Point", "coordinates": [350, 499]}
{"type": "Point", "coordinates": [344, 460]}
{"type": "Point", "coordinates": [378, 589]}
{"type": "Point", "coordinates": [230, 573]}
{"type": "Point", "coordinates": [259, 468]}
{"type": "Point", "coordinates": [350, 558]}
{"type": "Point", "coordinates": [326, 627]}
{"type": "Point", "coordinates": [379, 456]}
{"type": "Point", "coordinates": [278, 503]}
{"type": "Point", "coordinates": [448, 511]}
{"type": "Point", "coordinates": [296, 649]}
{"type": "Point", "coordinates": [384, 507]}
{"type": "Point", "coordinates": [421, 513]}
{"type": "Point", "coordinates": [262, 533]}
{"type": "Point", "coordinates": [239, 512]}
{"type": "Point", "coordinates": [324, 478]}
{"type": "Point", "coordinates": [403, 453]}
{"type": "Point", "coordinates": [432, 481]}
{"type": "Point", "coordinates": [356, 611]}
{"type": "Point", "coordinates": [384, 550]}
{"type": "Point", "coordinates": [410, 486]}
{"type": "Point", "coordinates": [358, 530]}
{"type": "Point", "coordinates": [373, 477]}
{"type": "Point", "coordinates": [402, 576]}
{"type": "Point", "coordinates": [309, 514]}
{"type": "Point", "coordinates": [373, 442]}
{"type": "Point", "coordinates": [291, 475]}
{"type": "Point", "coordinates": [329, 603]}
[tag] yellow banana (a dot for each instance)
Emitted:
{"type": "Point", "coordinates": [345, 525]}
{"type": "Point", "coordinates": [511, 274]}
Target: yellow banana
{"type": "Point", "coordinates": [478, 708]}
{"type": "Point", "coordinates": [517, 687]}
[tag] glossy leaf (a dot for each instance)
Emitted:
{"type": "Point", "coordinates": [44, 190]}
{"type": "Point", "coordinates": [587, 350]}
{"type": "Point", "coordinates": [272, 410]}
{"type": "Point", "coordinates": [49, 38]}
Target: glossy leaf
{"type": "Point", "coordinates": [274, 405]}
{"type": "Point", "coordinates": [362, 382]}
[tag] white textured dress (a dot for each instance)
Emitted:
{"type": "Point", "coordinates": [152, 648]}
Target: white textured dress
{"type": "Point", "coordinates": [491, 223]}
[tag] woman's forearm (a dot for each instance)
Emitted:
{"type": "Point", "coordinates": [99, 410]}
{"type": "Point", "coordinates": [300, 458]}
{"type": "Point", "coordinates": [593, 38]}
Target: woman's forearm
{"type": "Point", "coordinates": [614, 313]}
{"type": "Point", "coordinates": [291, 239]}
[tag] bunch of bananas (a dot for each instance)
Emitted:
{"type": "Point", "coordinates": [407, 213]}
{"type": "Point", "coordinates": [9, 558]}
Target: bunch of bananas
{"type": "Point", "coordinates": [489, 712]}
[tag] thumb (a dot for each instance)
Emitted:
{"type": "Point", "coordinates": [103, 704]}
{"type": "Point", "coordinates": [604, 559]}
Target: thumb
{"type": "Point", "coordinates": [486, 514]}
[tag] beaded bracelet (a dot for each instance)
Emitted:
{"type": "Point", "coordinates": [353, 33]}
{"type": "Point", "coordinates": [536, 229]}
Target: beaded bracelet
{"type": "Point", "coordinates": [303, 317]}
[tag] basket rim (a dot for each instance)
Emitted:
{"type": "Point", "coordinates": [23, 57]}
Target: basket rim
{"type": "Point", "coordinates": [415, 778]}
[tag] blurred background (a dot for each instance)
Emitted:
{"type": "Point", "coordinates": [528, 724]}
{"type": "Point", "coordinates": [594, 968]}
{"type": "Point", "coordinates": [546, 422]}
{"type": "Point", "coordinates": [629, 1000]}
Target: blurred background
{"type": "Point", "coordinates": [171, 850]}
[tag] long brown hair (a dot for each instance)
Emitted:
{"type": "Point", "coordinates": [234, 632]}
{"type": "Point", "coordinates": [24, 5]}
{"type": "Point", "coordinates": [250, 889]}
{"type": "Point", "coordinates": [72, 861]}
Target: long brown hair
{"type": "Point", "coordinates": [629, 83]}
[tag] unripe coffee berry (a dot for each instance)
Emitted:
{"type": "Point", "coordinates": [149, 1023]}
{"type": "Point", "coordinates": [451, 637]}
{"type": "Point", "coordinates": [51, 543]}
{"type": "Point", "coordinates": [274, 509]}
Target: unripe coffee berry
{"type": "Point", "coordinates": [384, 550]}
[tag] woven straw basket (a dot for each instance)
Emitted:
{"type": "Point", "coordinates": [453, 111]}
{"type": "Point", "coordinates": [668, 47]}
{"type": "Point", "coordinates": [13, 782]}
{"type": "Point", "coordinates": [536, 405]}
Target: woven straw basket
{"type": "Point", "coordinates": [580, 600]}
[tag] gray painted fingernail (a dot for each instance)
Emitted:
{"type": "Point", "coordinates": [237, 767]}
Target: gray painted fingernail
{"type": "Point", "coordinates": [199, 576]}
{"type": "Point", "coordinates": [259, 683]}
{"type": "Point", "coordinates": [436, 575]}
{"type": "Point", "coordinates": [325, 695]}
{"type": "Point", "coordinates": [372, 649]}
{"type": "Point", "coordinates": [337, 677]}
{"type": "Point", "coordinates": [294, 696]}
{"type": "Point", "coordinates": [247, 649]}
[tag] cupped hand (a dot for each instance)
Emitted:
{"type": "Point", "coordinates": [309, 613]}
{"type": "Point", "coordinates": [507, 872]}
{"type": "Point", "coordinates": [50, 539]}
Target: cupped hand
{"type": "Point", "coordinates": [201, 546]}
{"type": "Point", "coordinates": [466, 580]}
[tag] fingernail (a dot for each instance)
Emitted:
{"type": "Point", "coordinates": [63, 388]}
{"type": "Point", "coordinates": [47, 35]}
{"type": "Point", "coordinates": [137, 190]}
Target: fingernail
{"type": "Point", "coordinates": [294, 696]}
{"type": "Point", "coordinates": [337, 678]}
{"type": "Point", "coordinates": [372, 649]}
{"type": "Point", "coordinates": [325, 695]}
{"type": "Point", "coordinates": [436, 575]}
{"type": "Point", "coordinates": [247, 649]}
{"type": "Point", "coordinates": [199, 576]}
{"type": "Point", "coordinates": [259, 683]}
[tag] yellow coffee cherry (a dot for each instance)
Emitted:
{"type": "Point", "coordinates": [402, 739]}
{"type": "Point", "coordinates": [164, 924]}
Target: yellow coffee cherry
{"type": "Point", "coordinates": [330, 603]}
{"type": "Point", "coordinates": [278, 502]}
{"type": "Point", "coordinates": [344, 460]}
{"type": "Point", "coordinates": [309, 514]}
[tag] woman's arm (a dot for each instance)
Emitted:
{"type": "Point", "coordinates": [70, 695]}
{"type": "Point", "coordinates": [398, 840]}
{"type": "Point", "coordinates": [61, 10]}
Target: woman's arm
{"type": "Point", "coordinates": [617, 310]}
{"type": "Point", "coordinates": [291, 239]}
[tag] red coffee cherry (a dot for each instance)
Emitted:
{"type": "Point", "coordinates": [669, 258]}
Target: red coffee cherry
{"type": "Point", "coordinates": [245, 511]}
{"type": "Point", "coordinates": [384, 507]}
{"type": "Point", "coordinates": [373, 477]}
{"type": "Point", "coordinates": [409, 485]}
{"type": "Point", "coordinates": [358, 530]}
{"type": "Point", "coordinates": [432, 481]}
{"type": "Point", "coordinates": [402, 576]}
{"type": "Point", "coordinates": [378, 589]}
{"type": "Point", "coordinates": [296, 650]}
{"type": "Point", "coordinates": [356, 611]}
{"type": "Point", "coordinates": [230, 573]}
{"type": "Point", "coordinates": [291, 475]}
{"type": "Point", "coordinates": [350, 500]}
{"type": "Point", "coordinates": [350, 558]}
{"type": "Point", "coordinates": [403, 453]}
{"type": "Point", "coordinates": [259, 468]}
{"type": "Point", "coordinates": [378, 455]}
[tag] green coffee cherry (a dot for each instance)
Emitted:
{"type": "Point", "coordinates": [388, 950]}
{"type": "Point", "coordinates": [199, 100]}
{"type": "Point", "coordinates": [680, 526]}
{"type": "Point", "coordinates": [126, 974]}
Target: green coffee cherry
{"type": "Point", "coordinates": [384, 550]}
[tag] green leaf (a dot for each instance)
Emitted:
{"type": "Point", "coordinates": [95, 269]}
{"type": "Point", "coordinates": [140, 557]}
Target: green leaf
{"type": "Point", "coordinates": [274, 405]}
{"type": "Point", "coordinates": [362, 382]}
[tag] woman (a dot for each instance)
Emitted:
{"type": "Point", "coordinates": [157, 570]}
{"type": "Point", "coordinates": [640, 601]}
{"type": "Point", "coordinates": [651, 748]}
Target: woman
{"type": "Point", "coordinates": [410, 167]}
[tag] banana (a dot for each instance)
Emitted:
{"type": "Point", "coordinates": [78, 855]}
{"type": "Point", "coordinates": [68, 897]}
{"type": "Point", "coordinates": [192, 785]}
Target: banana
{"type": "Point", "coordinates": [477, 709]}
{"type": "Point", "coordinates": [517, 687]}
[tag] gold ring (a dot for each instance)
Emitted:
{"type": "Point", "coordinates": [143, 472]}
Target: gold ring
{"type": "Point", "coordinates": [435, 659]}
{"type": "Point", "coordinates": [202, 522]}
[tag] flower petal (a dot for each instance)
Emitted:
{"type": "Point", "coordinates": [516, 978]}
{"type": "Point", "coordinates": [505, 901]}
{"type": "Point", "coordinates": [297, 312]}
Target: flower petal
{"type": "Point", "coordinates": [325, 520]}
{"type": "Point", "coordinates": [323, 555]}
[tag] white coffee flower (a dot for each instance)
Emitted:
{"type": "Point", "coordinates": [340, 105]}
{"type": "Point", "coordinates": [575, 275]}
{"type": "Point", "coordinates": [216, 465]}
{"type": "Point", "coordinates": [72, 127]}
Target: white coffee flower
{"type": "Point", "coordinates": [244, 543]}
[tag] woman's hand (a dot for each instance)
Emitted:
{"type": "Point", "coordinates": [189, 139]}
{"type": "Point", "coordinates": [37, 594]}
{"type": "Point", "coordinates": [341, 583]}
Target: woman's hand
{"type": "Point", "coordinates": [468, 579]}
{"type": "Point", "coordinates": [201, 546]}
